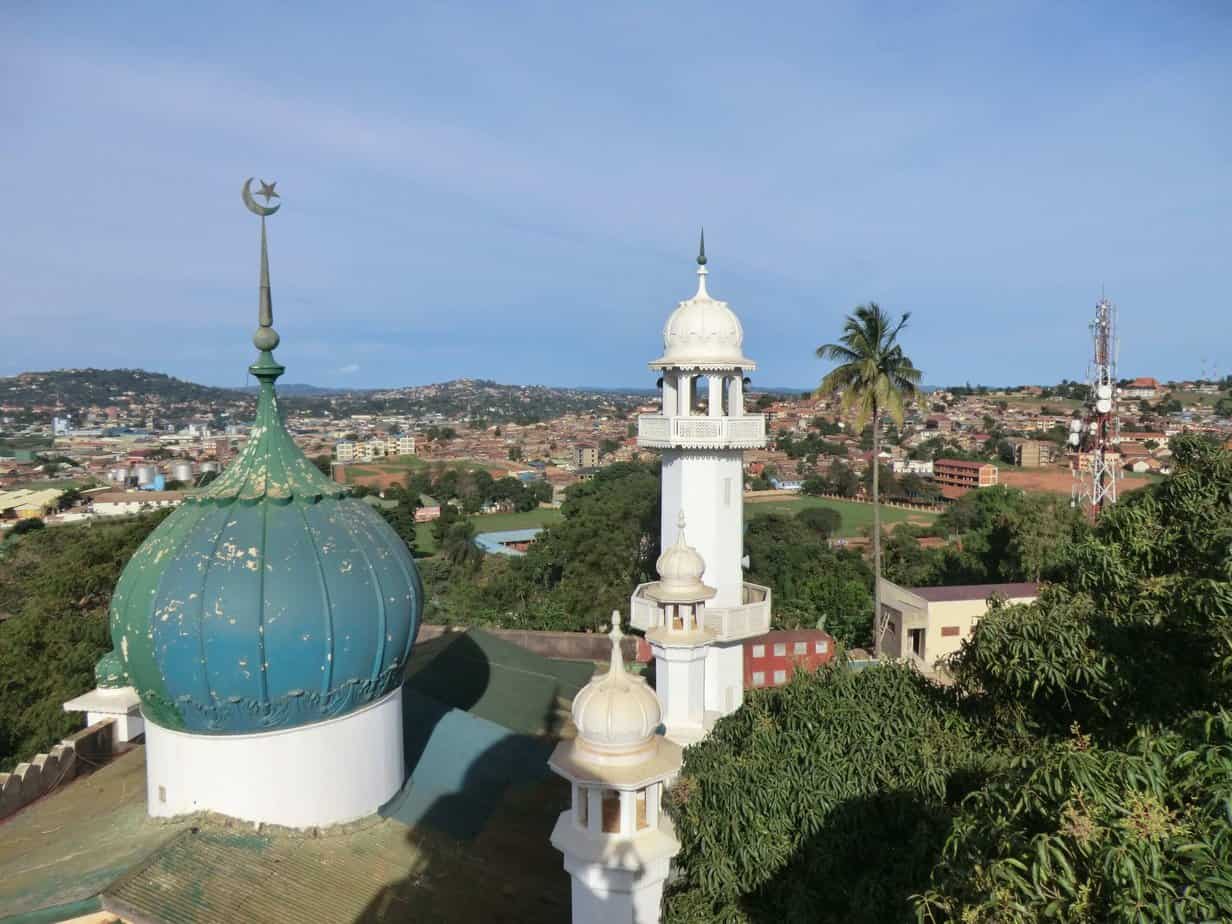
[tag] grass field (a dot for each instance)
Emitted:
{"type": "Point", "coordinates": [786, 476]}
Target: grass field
{"type": "Point", "coordinates": [542, 516]}
{"type": "Point", "coordinates": [856, 517]}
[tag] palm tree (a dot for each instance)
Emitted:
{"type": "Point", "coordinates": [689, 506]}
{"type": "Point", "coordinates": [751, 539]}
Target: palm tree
{"type": "Point", "coordinates": [873, 378]}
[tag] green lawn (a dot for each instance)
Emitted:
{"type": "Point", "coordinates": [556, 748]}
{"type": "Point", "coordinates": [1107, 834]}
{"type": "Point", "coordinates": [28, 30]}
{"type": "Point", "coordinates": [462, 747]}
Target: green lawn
{"type": "Point", "coordinates": [541, 516]}
{"type": "Point", "coordinates": [856, 517]}
{"type": "Point", "coordinates": [415, 463]}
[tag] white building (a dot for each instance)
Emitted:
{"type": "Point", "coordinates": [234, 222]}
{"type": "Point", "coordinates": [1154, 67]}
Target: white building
{"type": "Point", "coordinates": [402, 445]}
{"type": "Point", "coordinates": [617, 842]}
{"type": "Point", "coordinates": [703, 431]}
{"type": "Point", "coordinates": [344, 450]}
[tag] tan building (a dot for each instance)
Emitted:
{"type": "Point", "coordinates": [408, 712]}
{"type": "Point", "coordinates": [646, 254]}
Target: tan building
{"type": "Point", "coordinates": [925, 624]}
{"type": "Point", "coordinates": [585, 456]}
{"type": "Point", "coordinates": [1034, 453]}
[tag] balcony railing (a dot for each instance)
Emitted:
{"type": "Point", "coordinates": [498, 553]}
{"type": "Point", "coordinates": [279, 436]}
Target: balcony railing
{"type": "Point", "coordinates": [728, 623]}
{"type": "Point", "coordinates": [661, 432]}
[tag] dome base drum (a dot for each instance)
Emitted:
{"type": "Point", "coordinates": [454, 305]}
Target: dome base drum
{"type": "Point", "coordinates": [317, 775]}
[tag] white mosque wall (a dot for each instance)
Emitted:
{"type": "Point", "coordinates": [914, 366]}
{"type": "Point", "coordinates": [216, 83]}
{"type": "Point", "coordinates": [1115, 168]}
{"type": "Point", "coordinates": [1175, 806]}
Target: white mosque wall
{"type": "Point", "coordinates": [709, 487]}
{"type": "Point", "coordinates": [316, 775]}
{"type": "Point", "coordinates": [680, 684]}
{"type": "Point", "coordinates": [606, 895]}
{"type": "Point", "coordinates": [724, 677]}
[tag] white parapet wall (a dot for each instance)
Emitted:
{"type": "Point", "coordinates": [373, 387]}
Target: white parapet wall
{"type": "Point", "coordinates": [316, 775]}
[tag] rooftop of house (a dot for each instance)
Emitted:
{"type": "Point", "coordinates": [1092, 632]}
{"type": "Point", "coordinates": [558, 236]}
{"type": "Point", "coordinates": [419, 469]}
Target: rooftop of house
{"type": "Point", "coordinates": [962, 464]}
{"type": "Point", "coordinates": [1018, 591]}
{"type": "Point", "coordinates": [481, 717]}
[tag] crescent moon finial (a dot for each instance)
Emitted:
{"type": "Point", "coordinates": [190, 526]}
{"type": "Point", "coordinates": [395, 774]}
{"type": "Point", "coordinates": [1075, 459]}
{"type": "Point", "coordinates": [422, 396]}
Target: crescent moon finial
{"type": "Point", "coordinates": [266, 190]}
{"type": "Point", "coordinates": [266, 338]}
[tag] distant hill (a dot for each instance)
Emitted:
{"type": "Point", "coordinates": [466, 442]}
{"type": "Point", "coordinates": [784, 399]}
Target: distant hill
{"type": "Point", "coordinates": [301, 390]}
{"type": "Point", "coordinates": [70, 391]}
{"type": "Point", "coordinates": [78, 388]}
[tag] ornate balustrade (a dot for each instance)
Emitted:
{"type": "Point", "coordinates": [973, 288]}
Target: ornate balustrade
{"type": "Point", "coordinates": [752, 617]}
{"type": "Point", "coordinates": [661, 432]}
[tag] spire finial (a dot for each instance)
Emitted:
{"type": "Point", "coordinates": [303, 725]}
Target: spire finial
{"type": "Point", "coordinates": [701, 268]}
{"type": "Point", "coordinates": [617, 668]}
{"type": "Point", "coordinates": [266, 338]}
{"type": "Point", "coordinates": [680, 527]}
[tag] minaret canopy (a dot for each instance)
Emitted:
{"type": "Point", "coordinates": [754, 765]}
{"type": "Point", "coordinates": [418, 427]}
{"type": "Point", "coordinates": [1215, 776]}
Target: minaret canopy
{"type": "Point", "coordinates": [703, 332]}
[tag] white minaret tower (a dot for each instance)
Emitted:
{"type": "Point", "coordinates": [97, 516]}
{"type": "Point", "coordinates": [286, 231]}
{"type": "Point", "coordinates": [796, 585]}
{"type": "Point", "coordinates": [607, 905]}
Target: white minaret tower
{"type": "Point", "coordinates": [680, 641]}
{"type": "Point", "coordinates": [618, 844]}
{"type": "Point", "coordinates": [703, 432]}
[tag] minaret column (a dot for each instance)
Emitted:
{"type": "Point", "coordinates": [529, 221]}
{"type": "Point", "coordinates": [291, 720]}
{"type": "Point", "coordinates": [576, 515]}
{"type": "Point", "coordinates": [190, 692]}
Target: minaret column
{"type": "Point", "coordinates": [736, 395]}
{"type": "Point", "coordinates": [671, 403]}
{"type": "Point", "coordinates": [714, 406]}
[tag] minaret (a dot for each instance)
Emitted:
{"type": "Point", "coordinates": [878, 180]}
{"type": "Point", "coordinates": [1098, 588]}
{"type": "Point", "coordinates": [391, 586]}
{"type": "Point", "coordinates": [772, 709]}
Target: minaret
{"type": "Point", "coordinates": [680, 642]}
{"type": "Point", "coordinates": [703, 433]}
{"type": "Point", "coordinates": [617, 842]}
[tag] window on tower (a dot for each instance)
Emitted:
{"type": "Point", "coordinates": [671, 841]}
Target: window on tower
{"type": "Point", "coordinates": [611, 811]}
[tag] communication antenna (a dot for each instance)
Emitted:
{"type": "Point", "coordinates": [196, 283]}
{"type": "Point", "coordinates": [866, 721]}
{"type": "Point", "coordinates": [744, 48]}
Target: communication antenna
{"type": "Point", "coordinates": [1094, 438]}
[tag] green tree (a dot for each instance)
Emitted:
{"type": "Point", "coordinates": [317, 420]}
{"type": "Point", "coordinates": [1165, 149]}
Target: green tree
{"type": "Point", "coordinates": [874, 377]}
{"type": "Point", "coordinates": [55, 587]}
{"type": "Point", "coordinates": [816, 802]}
{"type": "Point", "coordinates": [825, 521]}
{"type": "Point", "coordinates": [1078, 769]}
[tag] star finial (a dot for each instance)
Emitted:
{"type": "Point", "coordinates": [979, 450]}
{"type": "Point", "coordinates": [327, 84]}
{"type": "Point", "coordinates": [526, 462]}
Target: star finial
{"type": "Point", "coordinates": [267, 190]}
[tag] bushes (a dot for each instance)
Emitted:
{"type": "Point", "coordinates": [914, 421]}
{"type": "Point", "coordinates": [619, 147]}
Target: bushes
{"type": "Point", "coordinates": [824, 800]}
{"type": "Point", "coordinates": [57, 585]}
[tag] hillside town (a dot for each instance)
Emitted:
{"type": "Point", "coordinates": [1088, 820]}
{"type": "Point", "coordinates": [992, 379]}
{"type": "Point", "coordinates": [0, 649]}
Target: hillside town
{"type": "Point", "coordinates": [138, 449]}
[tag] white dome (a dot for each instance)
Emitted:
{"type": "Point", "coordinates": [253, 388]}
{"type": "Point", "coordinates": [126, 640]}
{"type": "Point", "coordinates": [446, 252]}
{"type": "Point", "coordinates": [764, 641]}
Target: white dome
{"type": "Point", "coordinates": [616, 714]}
{"type": "Point", "coordinates": [703, 332]}
{"type": "Point", "coordinates": [680, 570]}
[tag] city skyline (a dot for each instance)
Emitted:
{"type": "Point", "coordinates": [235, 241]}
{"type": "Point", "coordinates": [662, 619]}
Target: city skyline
{"type": "Point", "coordinates": [517, 197]}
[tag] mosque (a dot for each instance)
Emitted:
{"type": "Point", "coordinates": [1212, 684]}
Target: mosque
{"type": "Point", "coordinates": [263, 631]}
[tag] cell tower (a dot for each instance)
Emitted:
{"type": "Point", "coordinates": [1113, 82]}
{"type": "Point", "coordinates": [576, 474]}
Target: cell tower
{"type": "Point", "coordinates": [1095, 454]}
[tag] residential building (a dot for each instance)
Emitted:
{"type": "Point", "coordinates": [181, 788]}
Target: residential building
{"type": "Point", "coordinates": [912, 466]}
{"type": "Point", "coordinates": [958, 476]}
{"type": "Point", "coordinates": [345, 451]}
{"type": "Point", "coordinates": [924, 624]}
{"type": "Point", "coordinates": [24, 504]}
{"type": "Point", "coordinates": [402, 445]}
{"type": "Point", "coordinates": [1144, 387]}
{"type": "Point", "coordinates": [1034, 453]}
{"type": "Point", "coordinates": [127, 503]}
{"type": "Point", "coordinates": [585, 455]}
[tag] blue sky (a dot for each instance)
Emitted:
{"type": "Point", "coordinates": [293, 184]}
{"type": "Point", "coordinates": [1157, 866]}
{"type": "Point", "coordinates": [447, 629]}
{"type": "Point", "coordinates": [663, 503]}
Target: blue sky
{"type": "Point", "coordinates": [513, 190]}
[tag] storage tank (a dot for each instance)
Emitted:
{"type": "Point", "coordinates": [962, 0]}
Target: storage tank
{"type": "Point", "coordinates": [210, 467]}
{"type": "Point", "coordinates": [145, 474]}
{"type": "Point", "coordinates": [181, 471]}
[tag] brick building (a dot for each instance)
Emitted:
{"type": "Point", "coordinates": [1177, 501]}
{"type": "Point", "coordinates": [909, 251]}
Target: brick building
{"type": "Point", "coordinates": [958, 476]}
{"type": "Point", "coordinates": [770, 660]}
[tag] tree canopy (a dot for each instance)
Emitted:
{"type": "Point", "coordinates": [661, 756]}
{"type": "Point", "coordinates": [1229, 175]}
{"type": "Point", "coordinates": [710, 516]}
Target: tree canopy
{"type": "Point", "coordinates": [1079, 768]}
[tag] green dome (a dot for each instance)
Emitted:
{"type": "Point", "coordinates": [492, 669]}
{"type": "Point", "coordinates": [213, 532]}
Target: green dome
{"type": "Point", "coordinates": [269, 599]}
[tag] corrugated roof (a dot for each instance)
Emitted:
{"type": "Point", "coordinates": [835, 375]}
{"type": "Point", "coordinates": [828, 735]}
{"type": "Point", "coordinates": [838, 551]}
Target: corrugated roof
{"type": "Point", "coordinates": [976, 592]}
{"type": "Point", "coordinates": [380, 873]}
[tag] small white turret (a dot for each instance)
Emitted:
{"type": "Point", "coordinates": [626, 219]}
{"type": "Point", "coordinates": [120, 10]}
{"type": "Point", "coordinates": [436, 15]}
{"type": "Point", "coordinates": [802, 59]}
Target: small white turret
{"type": "Point", "coordinates": [680, 641]}
{"type": "Point", "coordinates": [616, 842]}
